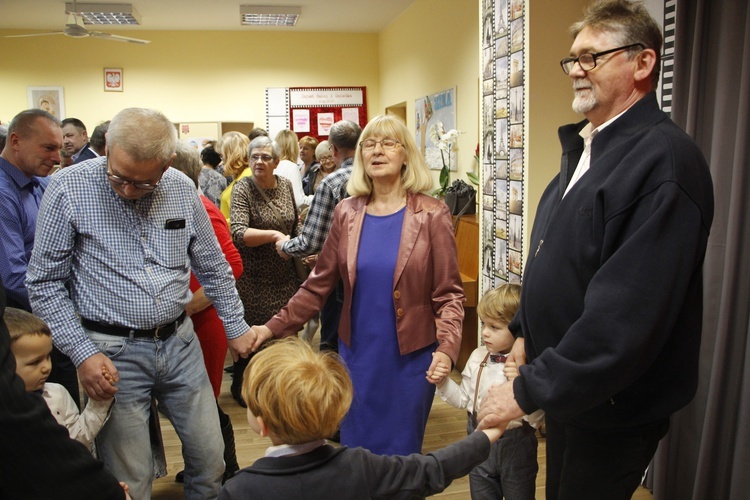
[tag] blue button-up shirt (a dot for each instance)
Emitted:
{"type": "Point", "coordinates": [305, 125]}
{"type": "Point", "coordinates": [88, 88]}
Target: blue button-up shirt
{"type": "Point", "coordinates": [123, 262]}
{"type": "Point", "coordinates": [19, 205]}
{"type": "Point", "coordinates": [329, 193]}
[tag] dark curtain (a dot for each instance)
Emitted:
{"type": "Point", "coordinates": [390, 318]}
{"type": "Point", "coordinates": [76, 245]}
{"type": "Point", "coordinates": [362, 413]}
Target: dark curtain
{"type": "Point", "coordinates": [706, 454]}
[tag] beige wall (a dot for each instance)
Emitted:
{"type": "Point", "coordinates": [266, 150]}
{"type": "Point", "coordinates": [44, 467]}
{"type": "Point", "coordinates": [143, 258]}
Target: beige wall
{"type": "Point", "coordinates": [221, 76]}
{"type": "Point", "coordinates": [549, 94]}
{"type": "Point", "coordinates": [189, 76]}
{"type": "Point", "coordinates": [433, 46]}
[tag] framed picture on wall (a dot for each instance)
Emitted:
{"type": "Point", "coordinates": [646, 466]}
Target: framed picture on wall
{"type": "Point", "coordinates": [49, 99]}
{"type": "Point", "coordinates": [113, 81]}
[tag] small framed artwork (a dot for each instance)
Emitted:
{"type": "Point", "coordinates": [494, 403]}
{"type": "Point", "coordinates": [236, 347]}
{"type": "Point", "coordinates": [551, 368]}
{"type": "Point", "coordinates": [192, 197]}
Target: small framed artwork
{"type": "Point", "coordinates": [113, 80]}
{"type": "Point", "coordinates": [49, 99]}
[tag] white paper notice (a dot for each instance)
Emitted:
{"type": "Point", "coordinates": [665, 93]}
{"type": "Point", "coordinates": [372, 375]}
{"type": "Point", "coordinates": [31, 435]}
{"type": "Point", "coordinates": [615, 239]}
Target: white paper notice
{"type": "Point", "coordinates": [351, 114]}
{"type": "Point", "coordinates": [325, 122]}
{"type": "Point", "coordinates": [301, 120]}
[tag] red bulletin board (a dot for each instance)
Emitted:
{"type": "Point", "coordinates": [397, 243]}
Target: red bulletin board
{"type": "Point", "coordinates": [313, 109]}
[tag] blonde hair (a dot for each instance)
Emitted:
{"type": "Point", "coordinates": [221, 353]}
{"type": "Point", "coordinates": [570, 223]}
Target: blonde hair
{"type": "Point", "coordinates": [300, 394]}
{"type": "Point", "coordinates": [233, 147]}
{"type": "Point", "coordinates": [500, 304]}
{"type": "Point", "coordinates": [415, 174]}
{"type": "Point", "coordinates": [20, 323]}
{"type": "Point", "coordinates": [288, 145]}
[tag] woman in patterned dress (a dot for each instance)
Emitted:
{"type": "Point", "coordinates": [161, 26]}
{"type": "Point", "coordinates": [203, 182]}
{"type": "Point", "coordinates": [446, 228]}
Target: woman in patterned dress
{"type": "Point", "coordinates": [268, 281]}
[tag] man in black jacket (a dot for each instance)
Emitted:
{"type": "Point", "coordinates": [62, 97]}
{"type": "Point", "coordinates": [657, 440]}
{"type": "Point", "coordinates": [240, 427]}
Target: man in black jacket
{"type": "Point", "coordinates": [612, 299]}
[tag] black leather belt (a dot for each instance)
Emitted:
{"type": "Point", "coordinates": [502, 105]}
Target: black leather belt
{"type": "Point", "coordinates": [161, 332]}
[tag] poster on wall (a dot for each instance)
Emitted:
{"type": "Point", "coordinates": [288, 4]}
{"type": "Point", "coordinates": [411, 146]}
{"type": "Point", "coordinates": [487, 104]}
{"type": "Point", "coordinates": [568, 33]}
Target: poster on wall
{"type": "Point", "coordinates": [50, 99]}
{"type": "Point", "coordinates": [301, 120]}
{"type": "Point", "coordinates": [431, 110]}
{"type": "Point", "coordinates": [312, 111]}
{"type": "Point", "coordinates": [325, 122]}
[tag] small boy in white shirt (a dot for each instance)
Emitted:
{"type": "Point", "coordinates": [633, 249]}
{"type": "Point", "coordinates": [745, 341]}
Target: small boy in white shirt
{"type": "Point", "coordinates": [511, 469]}
{"type": "Point", "coordinates": [31, 344]}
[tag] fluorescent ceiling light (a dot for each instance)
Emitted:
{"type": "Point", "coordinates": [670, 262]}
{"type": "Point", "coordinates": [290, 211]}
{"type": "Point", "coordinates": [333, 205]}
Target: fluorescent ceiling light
{"type": "Point", "coordinates": [255, 15]}
{"type": "Point", "coordinates": [105, 13]}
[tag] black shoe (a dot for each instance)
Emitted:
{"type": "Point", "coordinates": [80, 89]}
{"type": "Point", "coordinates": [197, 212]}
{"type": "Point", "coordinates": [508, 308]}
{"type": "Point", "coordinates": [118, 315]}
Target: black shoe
{"type": "Point", "coordinates": [229, 369]}
{"type": "Point", "coordinates": [236, 390]}
{"type": "Point", "coordinates": [180, 477]}
{"type": "Point", "coordinates": [230, 454]}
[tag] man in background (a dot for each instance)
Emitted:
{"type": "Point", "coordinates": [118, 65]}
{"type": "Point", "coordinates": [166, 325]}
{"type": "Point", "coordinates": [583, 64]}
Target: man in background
{"type": "Point", "coordinates": [612, 300]}
{"type": "Point", "coordinates": [98, 141]}
{"type": "Point", "coordinates": [76, 140]}
{"type": "Point", "coordinates": [30, 154]}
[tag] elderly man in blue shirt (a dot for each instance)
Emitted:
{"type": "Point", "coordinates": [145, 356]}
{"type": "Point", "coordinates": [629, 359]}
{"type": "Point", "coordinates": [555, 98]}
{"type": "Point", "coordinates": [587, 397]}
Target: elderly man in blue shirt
{"type": "Point", "coordinates": [116, 239]}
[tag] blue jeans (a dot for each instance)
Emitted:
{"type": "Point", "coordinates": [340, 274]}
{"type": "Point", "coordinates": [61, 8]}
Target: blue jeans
{"type": "Point", "coordinates": [173, 372]}
{"type": "Point", "coordinates": [510, 470]}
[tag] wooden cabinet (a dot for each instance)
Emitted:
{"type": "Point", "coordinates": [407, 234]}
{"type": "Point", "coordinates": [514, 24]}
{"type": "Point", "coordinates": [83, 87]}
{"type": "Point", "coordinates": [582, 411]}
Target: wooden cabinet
{"type": "Point", "coordinates": [467, 242]}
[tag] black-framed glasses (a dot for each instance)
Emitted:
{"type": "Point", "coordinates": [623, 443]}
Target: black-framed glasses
{"type": "Point", "coordinates": [587, 61]}
{"type": "Point", "coordinates": [326, 158]}
{"type": "Point", "coordinates": [263, 158]}
{"type": "Point", "coordinates": [119, 181]}
{"type": "Point", "coordinates": [386, 144]}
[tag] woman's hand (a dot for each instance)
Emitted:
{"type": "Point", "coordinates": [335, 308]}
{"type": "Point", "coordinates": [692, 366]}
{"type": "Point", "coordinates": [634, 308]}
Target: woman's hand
{"type": "Point", "coordinates": [439, 368]}
{"type": "Point", "coordinates": [262, 333]}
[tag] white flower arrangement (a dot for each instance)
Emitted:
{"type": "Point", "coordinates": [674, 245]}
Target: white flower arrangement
{"type": "Point", "coordinates": [445, 141]}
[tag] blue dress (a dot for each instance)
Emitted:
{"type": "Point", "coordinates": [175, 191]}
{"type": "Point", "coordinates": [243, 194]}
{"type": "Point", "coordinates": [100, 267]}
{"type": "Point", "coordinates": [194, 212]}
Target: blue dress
{"type": "Point", "coordinates": [392, 398]}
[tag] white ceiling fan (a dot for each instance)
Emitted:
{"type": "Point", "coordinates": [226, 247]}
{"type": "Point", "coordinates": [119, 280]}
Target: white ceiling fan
{"type": "Point", "coordinates": [74, 28]}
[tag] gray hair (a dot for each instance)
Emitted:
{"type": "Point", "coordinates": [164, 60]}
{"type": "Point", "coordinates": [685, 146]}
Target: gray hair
{"type": "Point", "coordinates": [144, 134]}
{"type": "Point", "coordinates": [323, 148]}
{"type": "Point", "coordinates": [630, 22]}
{"type": "Point", "coordinates": [263, 141]}
{"type": "Point", "coordinates": [344, 135]}
{"type": "Point", "coordinates": [188, 161]}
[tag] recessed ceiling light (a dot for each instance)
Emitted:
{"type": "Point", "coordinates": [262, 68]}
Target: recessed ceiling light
{"type": "Point", "coordinates": [256, 15]}
{"type": "Point", "coordinates": [105, 13]}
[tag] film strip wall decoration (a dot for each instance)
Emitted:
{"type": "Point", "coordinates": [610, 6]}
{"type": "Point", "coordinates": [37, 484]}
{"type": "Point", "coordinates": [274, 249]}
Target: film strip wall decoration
{"type": "Point", "coordinates": [667, 59]}
{"type": "Point", "coordinates": [503, 114]}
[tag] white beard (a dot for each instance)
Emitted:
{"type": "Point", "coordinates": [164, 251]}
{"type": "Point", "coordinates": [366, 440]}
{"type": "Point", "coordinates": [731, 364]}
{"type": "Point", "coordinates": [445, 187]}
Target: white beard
{"type": "Point", "coordinates": [583, 100]}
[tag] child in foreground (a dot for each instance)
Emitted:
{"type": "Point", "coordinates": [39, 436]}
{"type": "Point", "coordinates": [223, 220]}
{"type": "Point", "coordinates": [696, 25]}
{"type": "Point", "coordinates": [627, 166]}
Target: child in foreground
{"type": "Point", "coordinates": [511, 469]}
{"type": "Point", "coordinates": [31, 344]}
{"type": "Point", "coordinates": [297, 397]}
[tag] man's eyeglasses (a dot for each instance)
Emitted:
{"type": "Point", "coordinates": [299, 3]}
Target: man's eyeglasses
{"type": "Point", "coordinates": [263, 158]}
{"type": "Point", "coordinates": [119, 181]}
{"type": "Point", "coordinates": [587, 61]}
{"type": "Point", "coordinates": [386, 144]}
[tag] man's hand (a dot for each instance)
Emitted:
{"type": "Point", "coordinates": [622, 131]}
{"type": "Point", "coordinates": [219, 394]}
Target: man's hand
{"type": "Point", "coordinates": [262, 333]}
{"type": "Point", "coordinates": [241, 347]}
{"type": "Point", "coordinates": [279, 244]}
{"type": "Point", "coordinates": [91, 373]}
{"type": "Point", "coordinates": [499, 407]}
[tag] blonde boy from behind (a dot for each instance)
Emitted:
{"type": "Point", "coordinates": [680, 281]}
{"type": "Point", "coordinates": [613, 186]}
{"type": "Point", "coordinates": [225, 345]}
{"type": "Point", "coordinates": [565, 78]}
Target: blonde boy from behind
{"type": "Point", "coordinates": [31, 344]}
{"type": "Point", "coordinates": [297, 397]}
